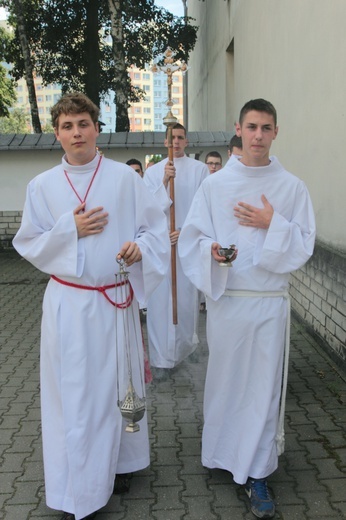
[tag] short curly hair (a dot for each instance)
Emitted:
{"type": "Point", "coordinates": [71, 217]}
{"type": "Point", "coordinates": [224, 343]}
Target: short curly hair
{"type": "Point", "coordinates": [74, 103]}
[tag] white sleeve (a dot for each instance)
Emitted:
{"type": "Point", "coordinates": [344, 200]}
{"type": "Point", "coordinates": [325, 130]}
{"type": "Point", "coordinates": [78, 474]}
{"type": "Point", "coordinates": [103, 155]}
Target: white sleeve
{"type": "Point", "coordinates": [51, 246]}
{"type": "Point", "coordinates": [288, 244]}
{"type": "Point", "coordinates": [194, 246]}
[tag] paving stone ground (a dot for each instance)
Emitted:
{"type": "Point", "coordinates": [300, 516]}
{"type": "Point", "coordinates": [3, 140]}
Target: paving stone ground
{"type": "Point", "coordinates": [309, 484]}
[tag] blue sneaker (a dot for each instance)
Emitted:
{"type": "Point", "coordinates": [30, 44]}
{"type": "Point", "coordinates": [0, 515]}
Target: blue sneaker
{"type": "Point", "coordinates": [262, 505]}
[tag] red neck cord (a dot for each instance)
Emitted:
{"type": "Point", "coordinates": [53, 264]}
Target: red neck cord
{"type": "Point", "coordinates": [90, 183]}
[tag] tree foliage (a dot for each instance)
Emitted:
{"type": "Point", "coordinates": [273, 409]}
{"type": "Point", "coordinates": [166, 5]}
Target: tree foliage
{"type": "Point", "coordinates": [7, 86]}
{"type": "Point", "coordinates": [154, 159]}
{"type": "Point", "coordinates": [16, 122]}
{"type": "Point", "coordinates": [71, 43]}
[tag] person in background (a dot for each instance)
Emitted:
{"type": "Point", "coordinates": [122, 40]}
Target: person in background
{"type": "Point", "coordinates": [170, 343]}
{"type": "Point", "coordinates": [266, 212]}
{"type": "Point", "coordinates": [136, 165]}
{"type": "Point", "coordinates": [235, 146]}
{"type": "Point", "coordinates": [214, 161]}
{"type": "Point", "coordinates": [79, 218]}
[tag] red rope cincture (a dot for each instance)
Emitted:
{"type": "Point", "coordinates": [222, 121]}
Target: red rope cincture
{"type": "Point", "coordinates": [102, 289]}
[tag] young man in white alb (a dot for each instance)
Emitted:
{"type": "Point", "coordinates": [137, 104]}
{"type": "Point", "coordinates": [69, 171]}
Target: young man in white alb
{"type": "Point", "coordinates": [267, 213]}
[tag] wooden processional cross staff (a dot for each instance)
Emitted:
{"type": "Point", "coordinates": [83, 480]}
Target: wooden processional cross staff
{"type": "Point", "coordinates": [170, 120]}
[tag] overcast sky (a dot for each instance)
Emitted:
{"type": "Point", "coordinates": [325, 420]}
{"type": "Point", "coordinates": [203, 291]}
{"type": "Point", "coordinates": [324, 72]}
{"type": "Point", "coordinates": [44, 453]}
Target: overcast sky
{"type": "Point", "coordinates": [174, 6]}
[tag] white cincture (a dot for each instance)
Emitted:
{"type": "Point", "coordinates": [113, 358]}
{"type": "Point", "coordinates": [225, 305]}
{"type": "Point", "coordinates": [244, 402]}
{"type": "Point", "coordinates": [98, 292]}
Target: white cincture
{"type": "Point", "coordinates": [280, 435]}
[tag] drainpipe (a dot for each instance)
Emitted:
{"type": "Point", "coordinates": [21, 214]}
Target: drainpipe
{"type": "Point", "coordinates": [185, 81]}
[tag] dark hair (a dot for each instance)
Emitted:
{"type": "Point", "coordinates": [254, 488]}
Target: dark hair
{"type": "Point", "coordinates": [177, 126]}
{"type": "Point", "coordinates": [213, 154]}
{"type": "Point", "coordinates": [74, 103]}
{"type": "Point", "coordinates": [236, 141]}
{"type": "Point", "coordinates": [261, 105]}
{"type": "Point", "coordinates": [134, 161]}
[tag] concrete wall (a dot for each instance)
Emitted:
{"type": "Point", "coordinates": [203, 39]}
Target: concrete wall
{"type": "Point", "coordinates": [18, 167]}
{"type": "Point", "coordinates": [293, 53]}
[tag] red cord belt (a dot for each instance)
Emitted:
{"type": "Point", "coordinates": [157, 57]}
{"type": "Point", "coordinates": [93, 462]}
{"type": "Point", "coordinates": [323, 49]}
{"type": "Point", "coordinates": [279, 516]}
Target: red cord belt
{"type": "Point", "coordinates": [102, 290]}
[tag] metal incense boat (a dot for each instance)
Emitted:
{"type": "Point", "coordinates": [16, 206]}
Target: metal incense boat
{"type": "Point", "coordinates": [229, 253]}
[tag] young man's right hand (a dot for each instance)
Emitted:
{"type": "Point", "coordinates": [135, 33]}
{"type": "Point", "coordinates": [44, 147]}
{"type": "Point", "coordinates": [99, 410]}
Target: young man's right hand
{"type": "Point", "coordinates": [215, 252]}
{"type": "Point", "coordinates": [169, 173]}
{"type": "Point", "coordinates": [89, 222]}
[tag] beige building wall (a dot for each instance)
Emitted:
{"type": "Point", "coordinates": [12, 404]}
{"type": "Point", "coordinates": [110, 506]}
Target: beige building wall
{"type": "Point", "coordinates": [293, 53]}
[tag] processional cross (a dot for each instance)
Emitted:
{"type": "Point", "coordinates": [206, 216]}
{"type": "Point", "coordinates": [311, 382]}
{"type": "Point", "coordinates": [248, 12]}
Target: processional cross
{"type": "Point", "coordinates": [169, 67]}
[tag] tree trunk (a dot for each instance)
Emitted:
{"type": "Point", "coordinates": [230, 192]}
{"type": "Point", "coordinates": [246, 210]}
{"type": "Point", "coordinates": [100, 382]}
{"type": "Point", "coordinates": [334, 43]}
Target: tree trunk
{"type": "Point", "coordinates": [29, 70]}
{"type": "Point", "coordinates": [121, 91]}
{"type": "Point", "coordinates": [92, 49]}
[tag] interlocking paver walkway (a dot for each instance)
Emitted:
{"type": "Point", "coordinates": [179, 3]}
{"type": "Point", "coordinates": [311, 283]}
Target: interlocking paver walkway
{"type": "Point", "coordinates": [309, 484]}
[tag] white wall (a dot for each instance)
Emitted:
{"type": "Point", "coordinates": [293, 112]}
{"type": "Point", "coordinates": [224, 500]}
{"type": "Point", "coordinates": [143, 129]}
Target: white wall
{"type": "Point", "coordinates": [18, 167]}
{"type": "Point", "coordinates": [293, 53]}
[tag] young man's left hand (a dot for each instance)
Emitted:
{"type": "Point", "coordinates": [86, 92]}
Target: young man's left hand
{"type": "Point", "coordinates": [130, 252]}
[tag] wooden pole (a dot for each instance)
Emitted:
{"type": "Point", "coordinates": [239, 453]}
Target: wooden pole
{"type": "Point", "coordinates": [170, 120]}
{"type": "Point", "coordinates": [172, 228]}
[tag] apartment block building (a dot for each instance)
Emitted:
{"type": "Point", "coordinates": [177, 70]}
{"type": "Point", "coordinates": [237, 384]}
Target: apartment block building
{"type": "Point", "coordinates": [46, 97]}
{"type": "Point", "coordinates": [146, 115]}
